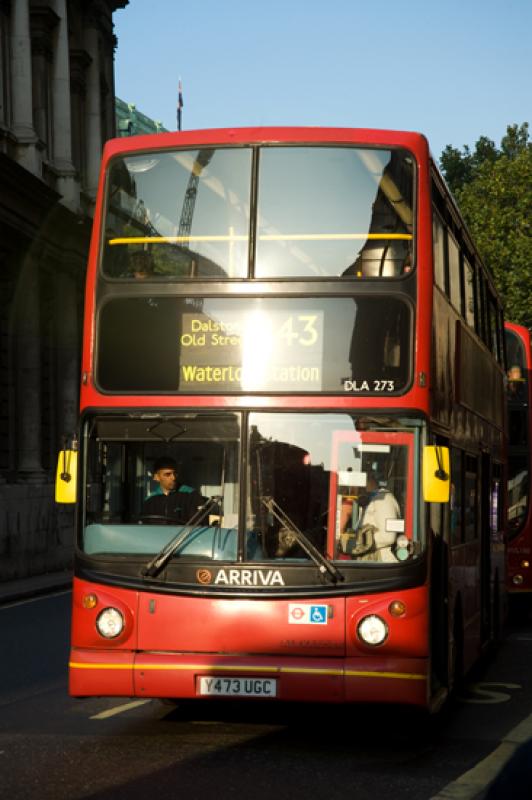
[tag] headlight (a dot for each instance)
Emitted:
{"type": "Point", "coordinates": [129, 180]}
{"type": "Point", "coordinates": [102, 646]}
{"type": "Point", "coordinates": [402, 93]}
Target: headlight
{"type": "Point", "coordinates": [372, 630]}
{"type": "Point", "coordinates": [110, 623]}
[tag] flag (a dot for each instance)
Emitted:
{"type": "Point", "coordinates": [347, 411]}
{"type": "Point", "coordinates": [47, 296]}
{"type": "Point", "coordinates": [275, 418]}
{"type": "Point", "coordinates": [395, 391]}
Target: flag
{"type": "Point", "coordinates": [179, 103]}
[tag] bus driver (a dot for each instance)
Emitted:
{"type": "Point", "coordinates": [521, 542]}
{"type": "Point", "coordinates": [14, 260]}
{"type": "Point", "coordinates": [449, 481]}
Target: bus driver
{"type": "Point", "coordinates": [171, 500]}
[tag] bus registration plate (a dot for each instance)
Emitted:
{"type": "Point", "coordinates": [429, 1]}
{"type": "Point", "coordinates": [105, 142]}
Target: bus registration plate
{"type": "Point", "coordinates": [237, 687]}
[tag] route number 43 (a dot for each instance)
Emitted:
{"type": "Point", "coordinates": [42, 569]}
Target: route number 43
{"type": "Point", "coordinates": [299, 330]}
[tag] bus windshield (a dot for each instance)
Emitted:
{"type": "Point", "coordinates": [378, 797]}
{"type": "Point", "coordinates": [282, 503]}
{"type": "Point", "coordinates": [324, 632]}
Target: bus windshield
{"type": "Point", "coordinates": [318, 212]}
{"type": "Point", "coordinates": [343, 484]}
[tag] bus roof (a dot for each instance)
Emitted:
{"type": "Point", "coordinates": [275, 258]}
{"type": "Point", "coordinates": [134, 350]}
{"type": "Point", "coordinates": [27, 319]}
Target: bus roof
{"type": "Point", "coordinates": [266, 135]}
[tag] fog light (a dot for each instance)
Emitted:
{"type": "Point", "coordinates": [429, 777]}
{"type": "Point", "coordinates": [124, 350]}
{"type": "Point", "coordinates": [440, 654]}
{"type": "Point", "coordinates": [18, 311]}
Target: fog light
{"type": "Point", "coordinates": [110, 623]}
{"type": "Point", "coordinates": [372, 630]}
{"type": "Point", "coordinates": [517, 580]}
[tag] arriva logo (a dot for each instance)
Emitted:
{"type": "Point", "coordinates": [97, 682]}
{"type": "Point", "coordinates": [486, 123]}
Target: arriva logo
{"type": "Point", "coordinates": [249, 577]}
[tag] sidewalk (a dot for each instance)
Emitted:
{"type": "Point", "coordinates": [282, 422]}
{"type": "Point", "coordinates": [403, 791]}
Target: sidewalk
{"type": "Point", "coordinates": [24, 588]}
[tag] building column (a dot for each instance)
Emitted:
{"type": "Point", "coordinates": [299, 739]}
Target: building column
{"type": "Point", "coordinates": [28, 366]}
{"type": "Point", "coordinates": [22, 96]}
{"type": "Point", "coordinates": [5, 69]}
{"type": "Point", "coordinates": [110, 80]}
{"type": "Point", "coordinates": [67, 351]}
{"type": "Point", "coordinates": [93, 114]}
{"type": "Point", "coordinates": [6, 291]}
{"type": "Point", "coordinates": [67, 185]}
{"type": "Point", "coordinates": [79, 63]}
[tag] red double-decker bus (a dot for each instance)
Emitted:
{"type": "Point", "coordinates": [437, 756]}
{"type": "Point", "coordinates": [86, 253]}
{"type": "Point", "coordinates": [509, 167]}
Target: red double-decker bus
{"type": "Point", "coordinates": [292, 359]}
{"type": "Point", "coordinates": [519, 399]}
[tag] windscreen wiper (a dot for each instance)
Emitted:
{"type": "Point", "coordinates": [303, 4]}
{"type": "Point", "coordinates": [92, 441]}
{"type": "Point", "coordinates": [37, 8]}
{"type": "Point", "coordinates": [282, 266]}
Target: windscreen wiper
{"type": "Point", "coordinates": [161, 559]}
{"type": "Point", "coordinates": [323, 563]}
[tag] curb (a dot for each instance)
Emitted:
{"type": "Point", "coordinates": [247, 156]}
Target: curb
{"type": "Point", "coordinates": [474, 784]}
{"type": "Point", "coordinates": [35, 586]}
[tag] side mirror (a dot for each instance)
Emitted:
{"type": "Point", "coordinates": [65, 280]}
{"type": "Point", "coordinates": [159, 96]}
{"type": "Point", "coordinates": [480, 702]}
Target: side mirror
{"type": "Point", "coordinates": [436, 474]}
{"type": "Point", "coordinates": [66, 477]}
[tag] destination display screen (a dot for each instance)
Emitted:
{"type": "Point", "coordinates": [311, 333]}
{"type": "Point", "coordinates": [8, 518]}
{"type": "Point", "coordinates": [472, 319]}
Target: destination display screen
{"type": "Point", "coordinates": [357, 345]}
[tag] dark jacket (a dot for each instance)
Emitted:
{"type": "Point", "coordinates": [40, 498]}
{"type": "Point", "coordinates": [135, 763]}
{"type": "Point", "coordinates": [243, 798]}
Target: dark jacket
{"type": "Point", "coordinates": [178, 506]}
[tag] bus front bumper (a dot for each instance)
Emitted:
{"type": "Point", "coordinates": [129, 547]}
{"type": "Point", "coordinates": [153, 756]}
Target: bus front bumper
{"type": "Point", "coordinates": [172, 675]}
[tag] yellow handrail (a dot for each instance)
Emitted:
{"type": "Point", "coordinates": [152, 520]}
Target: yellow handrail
{"type": "Point", "coordinates": [277, 237]}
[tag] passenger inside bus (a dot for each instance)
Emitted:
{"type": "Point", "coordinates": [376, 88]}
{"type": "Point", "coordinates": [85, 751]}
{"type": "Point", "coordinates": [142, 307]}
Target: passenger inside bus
{"type": "Point", "coordinates": [369, 536]}
{"type": "Point", "coordinates": [141, 264]}
{"type": "Point", "coordinates": [516, 383]}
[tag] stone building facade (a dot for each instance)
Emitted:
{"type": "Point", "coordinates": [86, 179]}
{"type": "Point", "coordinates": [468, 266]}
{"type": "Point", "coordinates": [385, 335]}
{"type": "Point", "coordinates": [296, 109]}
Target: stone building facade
{"type": "Point", "coordinates": [57, 107]}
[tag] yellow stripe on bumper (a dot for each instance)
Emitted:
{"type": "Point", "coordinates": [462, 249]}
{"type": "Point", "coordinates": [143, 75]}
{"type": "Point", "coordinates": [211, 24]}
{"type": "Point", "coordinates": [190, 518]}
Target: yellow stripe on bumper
{"type": "Point", "coordinates": [255, 669]}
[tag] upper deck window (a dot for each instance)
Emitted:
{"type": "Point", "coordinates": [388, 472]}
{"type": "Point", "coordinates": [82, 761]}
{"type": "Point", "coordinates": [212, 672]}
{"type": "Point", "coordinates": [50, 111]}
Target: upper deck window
{"type": "Point", "coordinates": [182, 214]}
{"type": "Point", "coordinates": [454, 272]}
{"type": "Point", "coordinates": [322, 212]}
{"type": "Point", "coordinates": [469, 293]}
{"type": "Point", "coordinates": [332, 212]}
{"type": "Point", "coordinates": [438, 237]}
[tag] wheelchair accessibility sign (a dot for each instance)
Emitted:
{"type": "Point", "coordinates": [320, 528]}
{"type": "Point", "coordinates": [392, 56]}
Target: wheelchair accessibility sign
{"type": "Point", "coordinates": [299, 614]}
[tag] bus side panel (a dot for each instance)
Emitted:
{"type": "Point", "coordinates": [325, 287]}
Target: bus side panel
{"type": "Point", "coordinates": [464, 579]}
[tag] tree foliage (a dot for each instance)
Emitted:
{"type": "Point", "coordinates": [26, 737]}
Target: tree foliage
{"type": "Point", "coordinates": [493, 188]}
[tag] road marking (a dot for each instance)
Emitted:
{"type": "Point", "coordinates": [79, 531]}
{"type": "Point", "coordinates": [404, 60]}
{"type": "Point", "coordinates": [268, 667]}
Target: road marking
{"type": "Point", "coordinates": [483, 693]}
{"type": "Point", "coordinates": [471, 783]}
{"type": "Point", "coordinates": [112, 712]}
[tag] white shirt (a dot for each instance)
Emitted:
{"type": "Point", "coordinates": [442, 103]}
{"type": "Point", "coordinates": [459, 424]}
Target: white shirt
{"type": "Point", "coordinates": [382, 507]}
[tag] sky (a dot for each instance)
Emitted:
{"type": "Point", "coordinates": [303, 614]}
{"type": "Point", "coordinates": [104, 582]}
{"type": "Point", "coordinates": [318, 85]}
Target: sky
{"type": "Point", "coordinates": [454, 70]}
